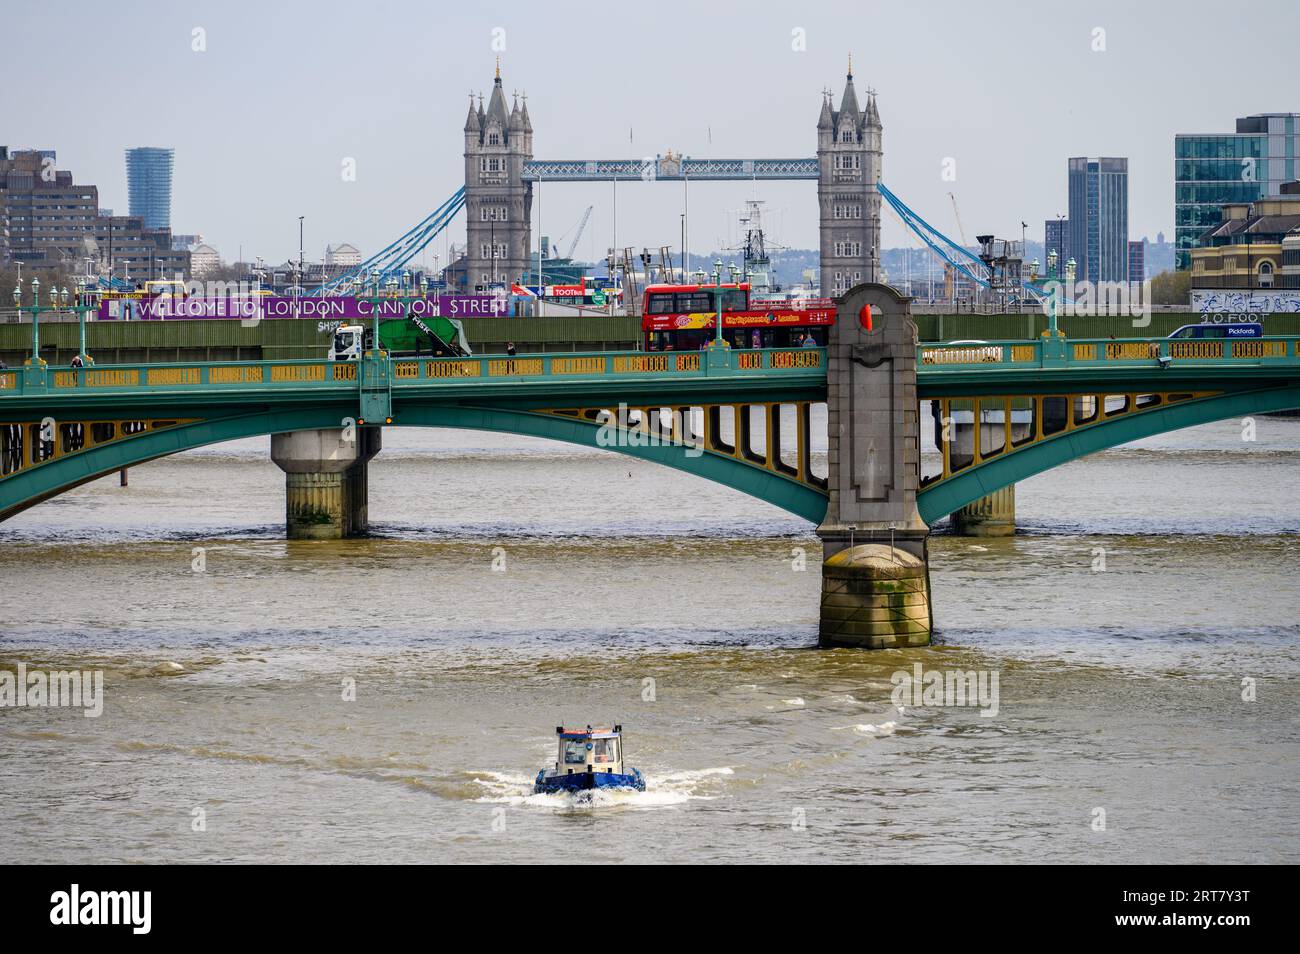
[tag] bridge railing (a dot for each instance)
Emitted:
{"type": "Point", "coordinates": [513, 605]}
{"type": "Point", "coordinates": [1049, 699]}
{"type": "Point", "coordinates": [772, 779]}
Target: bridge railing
{"type": "Point", "coordinates": [406, 372]}
{"type": "Point", "coordinates": [1111, 352]}
{"type": "Point", "coordinates": [610, 363]}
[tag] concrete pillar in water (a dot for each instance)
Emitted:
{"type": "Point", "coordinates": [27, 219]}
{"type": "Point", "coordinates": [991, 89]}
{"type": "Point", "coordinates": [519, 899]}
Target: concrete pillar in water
{"type": "Point", "coordinates": [325, 480]}
{"type": "Point", "coordinates": [876, 597]}
{"type": "Point", "coordinates": [990, 516]}
{"type": "Point", "coordinates": [875, 570]}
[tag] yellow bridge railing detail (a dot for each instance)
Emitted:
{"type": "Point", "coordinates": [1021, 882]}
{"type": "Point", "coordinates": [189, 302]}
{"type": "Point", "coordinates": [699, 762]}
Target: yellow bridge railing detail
{"type": "Point", "coordinates": [632, 363]}
{"type": "Point", "coordinates": [797, 359]}
{"type": "Point", "coordinates": [1259, 348]}
{"type": "Point", "coordinates": [297, 372]}
{"type": "Point", "coordinates": [593, 365]}
{"type": "Point", "coordinates": [163, 376]}
{"type": "Point", "coordinates": [127, 377]}
{"type": "Point", "coordinates": [514, 367]}
{"type": "Point", "coordinates": [454, 369]}
{"type": "Point", "coordinates": [247, 374]}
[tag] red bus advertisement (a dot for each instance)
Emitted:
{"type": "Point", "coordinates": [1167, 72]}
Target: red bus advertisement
{"type": "Point", "coordinates": [683, 318]}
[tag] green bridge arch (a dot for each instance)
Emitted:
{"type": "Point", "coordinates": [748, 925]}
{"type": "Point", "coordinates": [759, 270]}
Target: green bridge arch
{"type": "Point", "coordinates": [41, 482]}
{"type": "Point", "coordinates": [941, 499]}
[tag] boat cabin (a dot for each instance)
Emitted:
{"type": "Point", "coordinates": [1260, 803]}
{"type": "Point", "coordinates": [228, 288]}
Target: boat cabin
{"type": "Point", "coordinates": [598, 750]}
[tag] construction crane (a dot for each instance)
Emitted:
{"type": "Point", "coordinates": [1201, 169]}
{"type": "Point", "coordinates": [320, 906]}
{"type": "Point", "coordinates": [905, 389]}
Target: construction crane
{"type": "Point", "coordinates": [957, 215]}
{"type": "Point", "coordinates": [581, 226]}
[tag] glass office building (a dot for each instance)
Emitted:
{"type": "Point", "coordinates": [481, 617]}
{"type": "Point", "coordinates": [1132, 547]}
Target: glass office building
{"type": "Point", "coordinates": [1056, 237]}
{"type": "Point", "coordinates": [1211, 171]}
{"type": "Point", "coordinates": [1098, 229]}
{"type": "Point", "coordinates": [149, 185]}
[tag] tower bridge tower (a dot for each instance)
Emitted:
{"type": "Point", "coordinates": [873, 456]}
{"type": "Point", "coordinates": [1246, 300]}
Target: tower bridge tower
{"type": "Point", "coordinates": [849, 161]}
{"type": "Point", "coordinates": [498, 202]}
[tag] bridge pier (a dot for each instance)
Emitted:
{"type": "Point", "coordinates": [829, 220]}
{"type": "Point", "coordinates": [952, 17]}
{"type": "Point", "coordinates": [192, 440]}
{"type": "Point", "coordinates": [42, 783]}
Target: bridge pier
{"type": "Point", "coordinates": [991, 516]}
{"type": "Point", "coordinates": [875, 569]}
{"type": "Point", "coordinates": [998, 427]}
{"type": "Point", "coordinates": [326, 480]}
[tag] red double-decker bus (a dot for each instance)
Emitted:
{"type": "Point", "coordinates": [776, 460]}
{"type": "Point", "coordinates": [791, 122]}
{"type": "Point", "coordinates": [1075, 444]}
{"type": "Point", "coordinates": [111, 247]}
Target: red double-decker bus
{"type": "Point", "coordinates": [684, 317]}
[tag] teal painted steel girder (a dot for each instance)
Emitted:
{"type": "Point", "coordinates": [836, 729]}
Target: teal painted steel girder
{"type": "Point", "coordinates": [778, 490]}
{"type": "Point", "coordinates": [1014, 466]}
{"type": "Point", "coordinates": [708, 383]}
{"type": "Point", "coordinates": [287, 381]}
{"type": "Point", "coordinates": [42, 481]}
{"type": "Point", "coordinates": [36, 483]}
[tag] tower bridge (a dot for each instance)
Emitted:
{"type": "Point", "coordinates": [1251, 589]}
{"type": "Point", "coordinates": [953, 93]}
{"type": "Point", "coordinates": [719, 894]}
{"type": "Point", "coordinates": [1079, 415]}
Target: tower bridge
{"type": "Point", "coordinates": [500, 171]}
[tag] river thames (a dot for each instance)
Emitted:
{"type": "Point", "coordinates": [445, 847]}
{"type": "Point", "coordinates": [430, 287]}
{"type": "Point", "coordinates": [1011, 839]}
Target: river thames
{"type": "Point", "coordinates": [391, 698]}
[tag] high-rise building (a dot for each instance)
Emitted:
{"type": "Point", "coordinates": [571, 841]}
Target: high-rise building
{"type": "Point", "coordinates": [149, 185]}
{"type": "Point", "coordinates": [498, 201]}
{"type": "Point", "coordinates": [849, 160]}
{"type": "Point", "coordinates": [1214, 170]}
{"type": "Point", "coordinates": [1056, 237]}
{"type": "Point", "coordinates": [1098, 234]}
{"type": "Point", "coordinates": [1137, 262]}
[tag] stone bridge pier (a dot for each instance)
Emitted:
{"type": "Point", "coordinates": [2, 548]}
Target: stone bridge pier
{"type": "Point", "coordinates": [325, 480]}
{"type": "Point", "coordinates": [875, 570]}
{"type": "Point", "coordinates": [995, 514]}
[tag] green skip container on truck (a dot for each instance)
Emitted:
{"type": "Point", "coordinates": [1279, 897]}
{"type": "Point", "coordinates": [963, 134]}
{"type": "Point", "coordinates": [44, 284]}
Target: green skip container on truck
{"type": "Point", "coordinates": [412, 336]}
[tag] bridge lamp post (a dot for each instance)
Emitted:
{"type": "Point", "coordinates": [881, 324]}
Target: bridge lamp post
{"type": "Point", "coordinates": [82, 306]}
{"type": "Point", "coordinates": [18, 299]}
{"type": "Point", "coordinates": [1052, 259]}
{"type": "Point", "coordinates": [1071, 268]}
{"type": "Point", "coordinates": [374, 309]}
{"type": "Point", "coordinates": [36, 323]}
{"type": "Point", "coordinates": [717, 282]}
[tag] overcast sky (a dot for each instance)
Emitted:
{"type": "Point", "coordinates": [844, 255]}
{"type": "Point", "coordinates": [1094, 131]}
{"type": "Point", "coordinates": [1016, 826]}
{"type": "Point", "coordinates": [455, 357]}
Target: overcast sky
{"type": "Point", "coordinates": [263, 119]}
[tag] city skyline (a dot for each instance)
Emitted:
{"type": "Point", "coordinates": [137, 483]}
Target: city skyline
{"type": "Point", "coordinates": [272, 140]}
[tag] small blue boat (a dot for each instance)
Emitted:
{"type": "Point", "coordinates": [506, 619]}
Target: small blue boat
{"type": "Point", "coordinates": [588, 759]}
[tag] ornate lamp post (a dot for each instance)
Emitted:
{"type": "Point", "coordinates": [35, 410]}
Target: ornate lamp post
{"type": "Point", "coordinates": [35, 359]}
{"type": "Point", "coordinates": [374, 309]}
{"type": "Point", "coordinates": [717, 284]}
{"type": "Point", "coordinates": [82, 306]}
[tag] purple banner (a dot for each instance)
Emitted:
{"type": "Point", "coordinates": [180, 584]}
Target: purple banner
{"type": "Point", "coordinates": [336, 309]}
